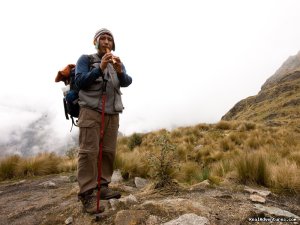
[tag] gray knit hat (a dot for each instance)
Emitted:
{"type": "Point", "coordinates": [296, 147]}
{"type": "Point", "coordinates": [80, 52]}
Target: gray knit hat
{"type": "Point", "coordinates": [105, 31]}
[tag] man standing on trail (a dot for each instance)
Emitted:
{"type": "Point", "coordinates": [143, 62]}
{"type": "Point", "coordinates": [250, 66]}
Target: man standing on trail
{"type": "Point", "coordinates": [94, 73]}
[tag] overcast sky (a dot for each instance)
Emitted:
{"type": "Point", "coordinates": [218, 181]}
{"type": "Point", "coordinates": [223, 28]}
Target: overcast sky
{"type": "Point", "coordinates": [190, 61]}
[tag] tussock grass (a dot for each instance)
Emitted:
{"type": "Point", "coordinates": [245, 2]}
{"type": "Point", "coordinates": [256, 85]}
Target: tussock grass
{"type": "Point", "coordinates": [246, 151]}
{"type": "Point", "coordinates": [191, 173]}
{"type": "Point", "coordinates": [286, 177]}
{"type": "Point", "coordinates": [41, 164]}
{"type": "Point", "coordinates": [253, 168]}
{"type": "Point", "coordinates": [224, 125]}
{"type": "Point", "coordinates": [133, 163]}
{"type": "Point", "coordinates": [8, 167]}
{"type": "Point", "coordinates": [295, 157]}
{"type": "Point", "coordinates": [221, 168]}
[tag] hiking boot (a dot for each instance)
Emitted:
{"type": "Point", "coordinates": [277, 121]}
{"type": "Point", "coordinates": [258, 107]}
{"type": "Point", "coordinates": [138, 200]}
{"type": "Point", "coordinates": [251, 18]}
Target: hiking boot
{"type": "Point", "coordinates": [106, 193]}
{"type": "Point", "coordinates": [89, 203]}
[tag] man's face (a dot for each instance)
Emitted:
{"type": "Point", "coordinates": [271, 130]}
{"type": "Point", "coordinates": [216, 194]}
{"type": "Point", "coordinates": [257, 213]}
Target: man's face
{"type": "Point", "coordinates": [105, 41]}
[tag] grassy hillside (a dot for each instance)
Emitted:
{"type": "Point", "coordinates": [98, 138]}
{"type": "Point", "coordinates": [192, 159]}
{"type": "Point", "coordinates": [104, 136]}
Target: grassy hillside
{"type": "Point", "coordinates": [229, 152]}
{"type": "Point", "coordinates": [276, 104]}
{"type": "Point", "coordinates": [235, 151]}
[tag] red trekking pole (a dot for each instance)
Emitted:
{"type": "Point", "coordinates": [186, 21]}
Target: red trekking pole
{"type": "Point", "coordinates": [101, 143]}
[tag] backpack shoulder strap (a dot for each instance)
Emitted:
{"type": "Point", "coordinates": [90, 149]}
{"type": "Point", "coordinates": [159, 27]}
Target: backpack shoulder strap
{"type": "Point", "coordinates": [94, 58]}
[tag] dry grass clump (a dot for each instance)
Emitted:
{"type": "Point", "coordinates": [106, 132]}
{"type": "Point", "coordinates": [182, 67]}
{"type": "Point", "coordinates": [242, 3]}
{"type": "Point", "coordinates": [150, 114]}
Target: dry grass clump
{"type": "Point", "coordinates": [286, 177]}
{"type": "Point", "coordinates": [133, 163]}
{"type": "Point", "coordinates": [191, 173]}
{"type": "Point", "coordinates": [246, 126]}
{"type": "Point", "coordinates": [41, 164]}
{"type": "Point", "coordinates": [224, 125]}
{"type": "Point", "coordinates": [8, 167]}
{"type": "Point", "coordinates": [253, 168]}
{"type": "Point", "coordinates": [295, 157]}
{"type": "Point", "coordinates": [226, 144]}
{"type": "Point", "coordinates": [246, 151]}
{"type": "Point", "coordinates": [222, 167]}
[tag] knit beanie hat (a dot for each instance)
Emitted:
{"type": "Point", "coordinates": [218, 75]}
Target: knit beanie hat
{"type": "Point", "coordinates": [104, 31]}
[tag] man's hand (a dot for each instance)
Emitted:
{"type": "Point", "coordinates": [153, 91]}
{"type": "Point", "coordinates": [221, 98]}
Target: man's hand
{"type": "Point", "coordinates": [114, 60]}
{"type": "Point", "coordinates": [117, 65]}
{"type": "Point", "coordinates": [107, 58]}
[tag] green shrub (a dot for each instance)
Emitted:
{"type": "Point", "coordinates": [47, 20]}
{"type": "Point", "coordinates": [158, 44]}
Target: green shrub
{"type": "Point", "coordinates": [163, 164]}
{"type": "Point", "coordinates": [135, 140]}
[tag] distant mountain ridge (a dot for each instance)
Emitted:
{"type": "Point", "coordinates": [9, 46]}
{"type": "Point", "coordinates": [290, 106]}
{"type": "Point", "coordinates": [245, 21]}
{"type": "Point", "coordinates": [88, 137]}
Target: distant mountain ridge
{"type": "Point", "coordinates": [278, 101]}
{"type": "Point", "coordinates": [291, 65]}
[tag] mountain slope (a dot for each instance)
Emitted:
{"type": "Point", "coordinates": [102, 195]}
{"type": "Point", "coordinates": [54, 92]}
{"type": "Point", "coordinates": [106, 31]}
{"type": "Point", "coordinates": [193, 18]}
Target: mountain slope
{"type": "Point", "coordinates": [278, 102]}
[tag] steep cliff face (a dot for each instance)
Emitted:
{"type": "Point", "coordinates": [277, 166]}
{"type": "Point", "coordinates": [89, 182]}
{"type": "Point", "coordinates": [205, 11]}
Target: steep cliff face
{"type": "Point", "coordinates": [278, 102]}
{"type": "Point", "coordinates": [291, 65]}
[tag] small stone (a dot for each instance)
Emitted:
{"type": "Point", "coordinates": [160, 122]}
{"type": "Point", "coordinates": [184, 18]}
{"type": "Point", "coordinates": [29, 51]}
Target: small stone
{"type": "Point", "coordinates": [48, 184]}
{"type": "Point", "coordinates": [275, 211]}
{"type": "Point", "coordinates": [117, 177]}
{"type": "Point", "coordinates": [62, 178]}
{"type": "Point", "coordinates": [257, 198]}
{"type": "Point", "coordinates": [152, 220]}
{"type": "Point", "coordinates": [114, 203]}
{"type": "Point", "coordinates": [200, 186]}
{"type": "Point", "coordinates": [69, 220]}
{"type": "Point", "coordinates": [129, 217]}
{"type": "Point", "coordinates": [73, 178]}
{"type": "Point", "coordinates": [263, 193]}
{"type": "Point", "coordinates": [189, 219]}
{"type": "Point", "coordinates": [140, 182]}
{"type": "Point", "coordinates": [18, 182]}
{"type": "Point", "coordinates": [129, 200]}
{"type": "Point", "coordinates": [129, 189]}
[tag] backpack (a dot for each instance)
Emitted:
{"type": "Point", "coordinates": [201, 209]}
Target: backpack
{"type": "Point", "coordinates": [71, 98]}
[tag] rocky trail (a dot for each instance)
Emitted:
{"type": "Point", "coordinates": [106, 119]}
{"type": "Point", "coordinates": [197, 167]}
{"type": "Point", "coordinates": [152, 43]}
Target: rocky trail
{"type": "Point", "coordinates": [53, 200]}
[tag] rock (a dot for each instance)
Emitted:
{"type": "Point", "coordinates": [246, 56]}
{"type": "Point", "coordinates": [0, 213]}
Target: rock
{"type": "Point", "coordinates": [200, 186]}
{"type": "Point", "coordinates": [62, 179]}
{"type": "Point", "coordinates": [129, 189]}
{"type": "Point", "coordinates": [129, 200]}
{"type": "Point", "coordinates": [152, 220]}
{"type": "Point", "coordinates": [189, 219]}
{"type": "Point", "coordinates": [176, 204]}
{"type": "Point", "coordinates": [140, 182]}
{"type": "Point", "coordinates": [69, 220]}
{"type": "Point", "coordinates": [263, 193]}
{"type": "Point", "coordinates": [48, 184]}
{"type": "Point", "coordinates": [18, 182]}
{"type": "Point", "coordinates": [275, 211]}
{"type": "Point", "coordinates": [224, 196]}
{"type": "Point", "coordinates": [130, 217]}
{"type": "Point", "coordinates": [117, 177]}
{"type": "Point", "coordinates": [73, 178]}
{"type": "Point", "coordinates": [257, 198]}
{"type": "Point", "coordinates": [114, 203]}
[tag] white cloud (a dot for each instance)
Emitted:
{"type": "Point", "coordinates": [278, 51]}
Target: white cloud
{"type": "Point", "coordinates": [191, 61]}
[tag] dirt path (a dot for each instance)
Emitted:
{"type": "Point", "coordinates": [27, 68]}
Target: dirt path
{"type": "Point", "coordinates": [53, 199]}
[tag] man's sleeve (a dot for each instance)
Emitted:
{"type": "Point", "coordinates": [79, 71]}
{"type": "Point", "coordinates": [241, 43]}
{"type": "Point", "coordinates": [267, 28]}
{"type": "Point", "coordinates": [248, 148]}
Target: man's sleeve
{"type": "Point", "coordinates": [84, 75]}
{"type": "Point", "coordinates": [124, 78]}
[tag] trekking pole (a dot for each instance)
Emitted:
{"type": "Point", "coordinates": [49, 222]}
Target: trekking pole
{"type": "Point", "coordinates": [101, 143]}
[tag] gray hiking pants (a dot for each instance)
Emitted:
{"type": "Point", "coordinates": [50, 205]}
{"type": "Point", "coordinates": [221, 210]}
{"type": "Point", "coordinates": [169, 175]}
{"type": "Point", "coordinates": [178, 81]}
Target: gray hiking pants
{"type": "Point", "coordinates": [89, 139]}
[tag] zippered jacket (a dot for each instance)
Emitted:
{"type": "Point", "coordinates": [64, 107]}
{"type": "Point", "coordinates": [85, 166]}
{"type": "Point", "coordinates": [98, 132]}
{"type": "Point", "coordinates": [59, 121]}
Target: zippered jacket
{"type": "Point", "coordinates": [89, 79]}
